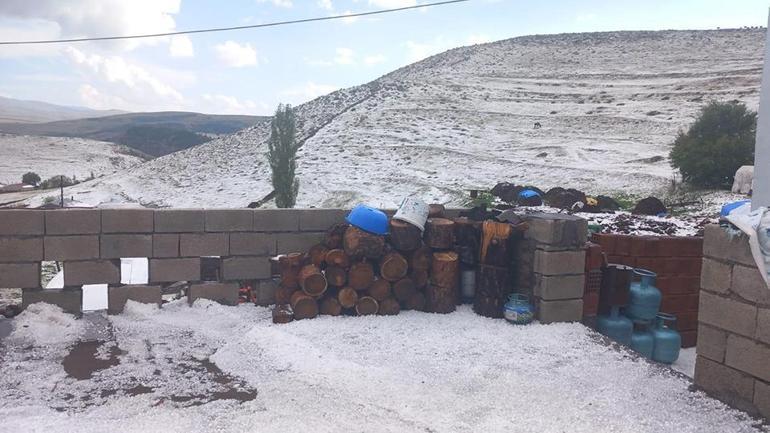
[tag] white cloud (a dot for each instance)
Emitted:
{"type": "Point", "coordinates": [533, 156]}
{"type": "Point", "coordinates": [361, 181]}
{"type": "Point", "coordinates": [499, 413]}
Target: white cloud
{"type": "Point", "coordinates": [181, 46]}
{"type": "Point", "coordinates": [420, 50]}
{"type": "Point", "coordinates": [325, 4]}
{"type": "Point", "coordinates": [308, 91]}
{"type": "Point", "coordinates": [344, 56]}
{"type": "Point", "coordinates": [236, 55]}
{"type": "Point", "coordinates": [374, 59]}
{"type": "Point", "coordinates": [390, 4]}
{"type": "Point", "coordinates": [478, 39]}
{"type": "Point", "coordinates": [279, 3]}
{"type": "Point", "coordinates": [348, 19]}
{"type": "Point", "coordinates": [223, 104]}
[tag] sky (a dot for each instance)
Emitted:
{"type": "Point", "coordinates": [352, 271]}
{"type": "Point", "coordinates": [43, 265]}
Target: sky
{"type": "Point", "coordinates": [252, 71]}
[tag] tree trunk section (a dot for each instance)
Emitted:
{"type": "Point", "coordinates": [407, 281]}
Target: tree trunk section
{"type": "Point", "coordinates": [436, 210]}
{"type": "Point", "coordinates": [420, 258]}
{"type": "Point", "coordinates": [439, 233]}
{"type": "Point", "coordinates": [334, 235]}
{"type": "Point", "coordinates": [336, 276]}
{"type": "Point", "coordinates": [283, 294]}
{"type": "Point", "coordinates": [347, 297]}
{"type": "Point", "coordinates": [282, 314]}
{"type": "Point", "coordinates": [439, 299]}
{"type": "Point", "coordinates": [289, 266]}
{"type": "Point", "coordinates": [445, 269]}
{"type": "Point", "coordinates": [359, 243]}
{"type": "Point", "coordinates": [403, 289]}
{"type": "Point", "coordinates": [361, 276]}
{"type": "Point", "coordinates": [420, 278]}
{"type": "Point", "coordinates": [393, 266]}
{"type": "Point", "coordinates": [380, 290]}
{"type": "Point", "coordinates": [337, 257]}
{"type": "Point", "coordinates": [415, 302]}
{"type": "Point", "coordinates": [495, 244]}
{"type": "Point", "coordinates": [317, 255]}
{"type": "Point", "coordinates": [304, 306]}
{"type": "Point", "coordinates": [330, 306]}
{"type": "Point", "coordinates": [366, 305]}
{"type": "Point", "coordinates": [493, 285]}
{"type": "Point", "coordinates": [312, 281]}
{"type": "Point", "coordinates": [389, 307]}
{"type": "Point", "coordinates": [404, 236]}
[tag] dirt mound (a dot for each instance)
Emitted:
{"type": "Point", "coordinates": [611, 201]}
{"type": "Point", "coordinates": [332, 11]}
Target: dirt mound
{"type": "Point", "coordinates": [649, 206]}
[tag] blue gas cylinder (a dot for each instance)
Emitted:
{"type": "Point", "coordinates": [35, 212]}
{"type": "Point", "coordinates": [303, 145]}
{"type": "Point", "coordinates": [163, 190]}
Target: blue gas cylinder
{"type": "Point", "coordinates": [644, 297]}
{"type": "Point", "coordinates": [667, 339]}
{"type": "Point", "coordinates": [615, 326]}
{"type": "Point", "coordinates": [642, 340]}
{"type": "Point", "coordinates": [518, 310]}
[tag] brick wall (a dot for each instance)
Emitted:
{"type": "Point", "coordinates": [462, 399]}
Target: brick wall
{"type": "Point", "coordinates": [733, 362]}
{"type": "Point", "coordinates": [676, 261]}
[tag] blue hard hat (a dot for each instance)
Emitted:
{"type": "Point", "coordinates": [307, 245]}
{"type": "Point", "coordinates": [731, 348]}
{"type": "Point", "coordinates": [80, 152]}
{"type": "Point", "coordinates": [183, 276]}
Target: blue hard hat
{"type": "Point", "coordinates": [528, 193]}
{"type": "Point", "coordinates": [729, 207]}
{"type": "Point", "coordinates": [369, 219]}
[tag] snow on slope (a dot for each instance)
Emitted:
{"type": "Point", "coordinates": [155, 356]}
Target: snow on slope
{"type": "Point", "coordinates": [609, 104]}
{"type": "Point", "coordinates": [50, 156]}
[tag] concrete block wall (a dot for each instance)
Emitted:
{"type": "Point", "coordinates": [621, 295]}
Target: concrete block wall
{"type": "Point", "coordinates": [733, 362]}
{"type": "Point", "coordinates": [676, 261]}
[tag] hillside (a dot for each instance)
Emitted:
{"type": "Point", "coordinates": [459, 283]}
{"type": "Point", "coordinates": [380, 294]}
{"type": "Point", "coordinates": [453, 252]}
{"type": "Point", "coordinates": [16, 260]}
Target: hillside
{"type": "Point", "coordinates": [154, 134]}
{"type": "Point", "coordinates": [609, 105]}
{"type": "Point", "coordinates": [15, 110]}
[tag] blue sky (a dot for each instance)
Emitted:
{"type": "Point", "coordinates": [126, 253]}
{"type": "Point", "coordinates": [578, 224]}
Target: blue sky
{"type": "Point", "coordinates": [251, 71]}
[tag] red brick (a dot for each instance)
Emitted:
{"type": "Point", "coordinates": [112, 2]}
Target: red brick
{"type": "Point", "coordinates": [687, 321]}
{"type": "Point", "coordinates": [593, 281]}
{"type": "Point", "coordinates": [678, 285]}
{"type": "Point", "coordinates": [693, 247]}
{"type": "Point", "coordinates": [645, 246]}
{"type": "Point", "coordinates": [654, 264]}
{"type": "Point", "coordinates": [590, 304]}
{"type": "Point", "coordinates": [623, 245]}
{"type": "Point", "coordinates": [608, 242]}
{"type": "Point", "coordinates": [679, 303]}
{"type": "Point", "coordinates": [594, 257]}
{"type": "Point", "coordinates": [689, 338]}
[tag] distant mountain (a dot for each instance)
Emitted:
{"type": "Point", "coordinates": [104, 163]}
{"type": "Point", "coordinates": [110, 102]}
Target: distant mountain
{"type": "Point", "coordinates": [16, 110]}
{"type": "Point", "coordinates": [154, 134]}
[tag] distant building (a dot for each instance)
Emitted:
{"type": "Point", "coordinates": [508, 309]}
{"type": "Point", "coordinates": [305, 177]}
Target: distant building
{"type": "Point", "coordinates": [15, 187]}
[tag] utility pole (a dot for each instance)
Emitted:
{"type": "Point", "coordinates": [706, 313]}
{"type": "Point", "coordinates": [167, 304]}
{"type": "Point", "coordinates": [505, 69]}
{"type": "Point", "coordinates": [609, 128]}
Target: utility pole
{"type": "Point", "coordinates": [761, 191]}
{"type": "Point", "coordinates": [61, 190]}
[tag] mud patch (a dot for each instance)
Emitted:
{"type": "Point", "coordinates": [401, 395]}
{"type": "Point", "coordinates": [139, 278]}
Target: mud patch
{"type": "Point", "coordinates": [85, 358]}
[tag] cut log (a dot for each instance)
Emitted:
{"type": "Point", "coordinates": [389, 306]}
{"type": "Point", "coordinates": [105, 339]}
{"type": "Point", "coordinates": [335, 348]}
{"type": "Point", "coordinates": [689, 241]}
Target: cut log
{"type": "Point", "coordinates": [337, 257]}
{"type": "Point", "coordinates": [493, 282]}
{"type": "Point", "coordinates": [317, 255]}
{"type": "Point", "coordinates": [404, 236]}
{"type": "Point", "coordinates": [439, 233]}
{"type": "Point", "coordinates": [389, 307]}
{"type": "Point", "coordinates": [403, 289]}
{"type": "Point", "coordinates": [334, 235]}
{"type": "Point", "coordinates": [366, 305]}
{"type": "Point", "coordinates": [420, 278]}
{"type": "Point", "coordinates": [347, 297]}
{"type": "Point", "coordinates": [304, 306]}
{"type": "Point", "coordinates": [416, 302]}
{"type": "Point", "coordinates": [283, 294]}
{"type": "Point", "coordinates": [495, 244]}
{"type": "Point", "coordinates": [393, 266]}
{"type": "Point", "coordinates": [336, 276]}
{"type": "Point", "coordinates": [330, 306]}
{"type": "Point", "coordinates": [439, 299]}
{"type": "Point", "coordinates": [380, 289]}
{"type": "Point", "coordinates": [421, 258]}
{"type": "Point", "coordinates": [488, 307]}
{"type": "Point", "coordinates": [289, 266]}
{"type": "Point", "coordinates": [361, 276]}
{"type": "Point", "coordinates": [468, 239]}
{"type": "Point", "coordinates": [445, 269]}
{"type": "Point", "coordinates": [436, 210]}
{"type": "Point", "coordinates": [359, 243]}
{"type": "Point", "coordinates": [282, 314]}
{"type": "Point", "coordinates": [312, 281]}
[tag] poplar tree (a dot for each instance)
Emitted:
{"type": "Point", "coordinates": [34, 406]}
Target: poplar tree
{"type": "Point", "coordinates": [282, 155]}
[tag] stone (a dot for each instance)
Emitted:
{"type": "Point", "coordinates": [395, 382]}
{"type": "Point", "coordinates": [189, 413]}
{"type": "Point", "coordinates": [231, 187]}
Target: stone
{"type": "Point", "coordinates": [173, 270]}
{"type": "Point", "coordinates": [728, 314]}
{"type": "Point", "coordinates": [560, 311]}
{"type": "Point", "coordinates": [557, 229]}
{"type": "Point", "coordinates": [762, 398]}
{"type": "Point", "coordinates": [763, 325]}
{"type": "Point", "coordinates": [78, 273]}
{"type": "Point", "coordinates": [559, 286]}
{"type": "Point", "coordinates": [252, 244]}
{"type": "Point", "coordinates": [179, 220]}
{"type": "Point", "coordinates": [65, 248]}
{"type": "Point", "coordinates": [119, 295]}
{"type": "Point", "coordinates": [729, 385]}
{"type": "Point", "coordinates": [229, 220]}
{"type": "Point", "coordinates": [204, 244]}
{"type": "Point", "coordinates": [748, 283]}
{"type": "Point", "coordinates": [728, 247]}
{"type": "Point", "coordinates": [297, 242]}
{"type": "Point", "coordinates": [712, 343]}
{"type": "Point", "coordinates": [128, 220]}
{"type": "Point", "coordinates": [21, 249]}
{"type": "Point", "coordinates": [320, 219]}
{"type": "Point", "coordinates": [22, 222]}
{"type": "Point", "coordinates": [560, 262]}
{"type": "Point", "coordinates": [276, 220]}
{"type": "Point", "coordinates": [748, 356]}
{"type": "Point", "coordinates": [165, 245]}
{"type": "Point", "coordinates": [20, 275]}
{"type": "Point", "coordinates": [245, 268]}
{"type": "Point", "coordinates": [122, 246]}
{"type": "Point", "coordinates": [715, 276]}
{"type": "Point", "coordinates": [69, 300]}
{"type": "Point", "coordinates": [224, 293]}
{"type": "Point", "coordinates": [73, 221]}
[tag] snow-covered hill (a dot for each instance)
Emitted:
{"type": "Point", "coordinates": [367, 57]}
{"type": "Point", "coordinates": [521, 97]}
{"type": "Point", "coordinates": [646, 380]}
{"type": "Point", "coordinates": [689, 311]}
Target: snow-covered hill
{"type": "Point", "coordinates": [609, 105]}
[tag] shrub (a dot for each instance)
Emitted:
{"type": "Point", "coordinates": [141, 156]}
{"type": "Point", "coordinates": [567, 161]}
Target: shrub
{"type": "Point", "coordinates": [719, 142]}
{"type": "Point", "coordinates": [282, 155]}
{"type": "Point", "coordinates": [56, 182]}
{"type": "Point", "coordinates": [30, 178]}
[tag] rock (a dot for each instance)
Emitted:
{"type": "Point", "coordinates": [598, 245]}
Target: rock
{"type": "Point", "coordinates": [649, 206]}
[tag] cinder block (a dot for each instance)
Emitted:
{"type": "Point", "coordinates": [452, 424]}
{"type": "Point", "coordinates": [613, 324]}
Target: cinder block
{"type": "Point", "coordinates": [560, 311]}
{"type": "Point", "coordinates": [729, 385]}
{"type": "Point", "coordinates": [204, 244]}
{"type": "Point", "coordinates": [715, 276]}
{"type": "Point", "coordinates": [276, 220]}
{"type": "Point", "coordinates": [747, 283]}
{"type": "Point", "coordinates": [727, 314]}
{"type": "Point", "coordinates": [245, 268]}
{"type": "Point", "coordinates": [266, 292]}
{"type": "Point", "coordinates": [320, 219]}
{"type": "Point", "coordinates": [118, 295]}
{"type": "Point", "coordinates": [70, 300]}
{"type": "Point", "coordinates": [763, 325]}
{"type": "Point", "coordinates": [172, 270]}
{"type": "Point", "coordinates": [165, 245]}
{"type": "Point", "coordinates": [127, 220]}
{"type": "Point", "coordinates": [554, 287]}
{"type": "Point", "coordinates": [91, 272]}
{"type": "Point", "coordinates": [120, 246]}
{"type": "Point", "coordinates": [21, 249]}
{"type": "Point", "coordinates": [557, 229]}
{"type": "Point", "coordinates": [229, 220]}
{"type": "Point", "coordinates": [22, 222]}
{"type": "Point", "coordinates": [224, 293]}
{"type": "Point", "coordinates": [559, 263]}
{"type": "Point", "coordinates": [762, 398]}
{"type": "Point", "coordinates": [748, 356]}
{"type": "Point", "coordinates": [297, 242]}
{"type": "Point", "coordinates": [73, 221]}
{"type": "Point", "coordinates": [729, 247]}
{"type": "Point", "coordinates": [252, 244]}
{"type": "Point", "coordinates": [179, 220]}
{"type": "Point", "coordinates": [712, 343]}
{"type": "Point", "coordinates": [20, 275]}
{"type": "Point", "coordinates": [71, 247]}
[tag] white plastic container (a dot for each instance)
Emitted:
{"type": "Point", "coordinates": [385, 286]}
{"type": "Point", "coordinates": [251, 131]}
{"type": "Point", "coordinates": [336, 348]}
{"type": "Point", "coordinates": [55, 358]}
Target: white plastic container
{"type": "Point", "coordinates": [413, 211]}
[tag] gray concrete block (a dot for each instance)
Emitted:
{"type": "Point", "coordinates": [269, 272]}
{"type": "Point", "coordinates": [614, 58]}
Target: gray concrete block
{"type": "Point", "coordinates": [20, 275]}
{"type": "Point", "coordinates": [172, 270]}
{"type": "Point", "coordinates": [229, 220]}
{"type": "Point", "coordinates": [21, 249]}
{"type": "Point", "coordinates": [204, 244]}
{"type": "Point", "coordinates": [729, 385]}
{"type": "Point", "coordinates": [121, 246]}
{"type": "Point", "coordinates": [71, 247]}
{"type": "Point", "coordinates": [71, 301]}
{"type": "Point", "coordinates": [22, 222]}
{"type": "Point", "coordinates": [715, 276]}
{"type": "Point", "coordinates": [320, 219]}
{"type": "Point", "coordinates": [712, 343]}
{"type": "Point", "coordinates": [729, 314]}
{"type": "Point", "coordinates": [73, 221]}
{"type": "Point", "coordinates": [747, 283]}
{"type": "Point", "coordinates": [119, 295]}
{"type": "Point", "coordinates": [560, 311]}
{"type": "Point", "coordinates": [557, 229]}
{"type": "Point", "coordinates": [763, 325]}
{"type": "Point", "coordinates": [719, 244]}
{"type": "Point", "coordinates": [559, 263]}
{"type": "Point", "coordinates": [276, 220]}
{"type": "Point", "coordinates": [165, 245]}
{"type": "Point", "coordinates": [748, 356]}
{"type": "Point", "coordinates": [128, 220]}
{"type": "Point", "coordinates": [762, 398]}
{"type": "Point", "coordinates": [179, 220]}
{"type": "Point", "coordinates": [297, 242]}
{"type": "Point", "coordinates": [224, 293]}
{"type": "Point", "coordinates": [252, 244]}
{"type": "Point", "coordinates": [245, 268]}
{"type": "Point", "coordinates": [77, 273]}
{"type": "Point", "coordinates": [554, 287]}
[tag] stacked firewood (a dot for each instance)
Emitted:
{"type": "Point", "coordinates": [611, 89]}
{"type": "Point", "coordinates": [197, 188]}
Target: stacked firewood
{"type": "Point", "coordinates": [358, 273]}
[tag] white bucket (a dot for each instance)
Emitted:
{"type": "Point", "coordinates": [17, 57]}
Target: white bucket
{"type": "Point", "coordinates": [413, 211]}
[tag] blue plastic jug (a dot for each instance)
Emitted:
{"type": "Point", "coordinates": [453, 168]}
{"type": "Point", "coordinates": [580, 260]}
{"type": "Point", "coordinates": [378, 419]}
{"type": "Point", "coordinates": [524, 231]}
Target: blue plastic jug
{"type": "Point", "coordinates": [518, 310]}
{"type": "Point", "coordinates": [667, 339]}
{"type": "Point", "coordinates": [644, 299]}
{"type": "Point", "coordinates": [642, 340]}
{"type": "Point", "coordinates": [615, 326]}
